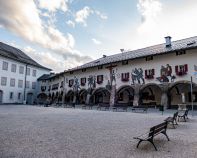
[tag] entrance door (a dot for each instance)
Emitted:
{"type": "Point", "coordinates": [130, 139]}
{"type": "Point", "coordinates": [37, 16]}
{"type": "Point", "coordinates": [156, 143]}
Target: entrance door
{"type": "Point", "coordinates": [29, 98]}
{"type": "Point", "coordinates": [1, 97]}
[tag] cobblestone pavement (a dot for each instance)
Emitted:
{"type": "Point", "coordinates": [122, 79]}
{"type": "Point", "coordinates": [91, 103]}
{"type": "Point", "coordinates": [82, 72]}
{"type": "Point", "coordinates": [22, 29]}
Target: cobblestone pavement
{"type": "Point", "coordinates": [47, 132]}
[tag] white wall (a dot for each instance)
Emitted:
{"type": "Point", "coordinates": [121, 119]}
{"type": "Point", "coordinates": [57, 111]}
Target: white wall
{"type": "Point", "coordinates": [7, 89]}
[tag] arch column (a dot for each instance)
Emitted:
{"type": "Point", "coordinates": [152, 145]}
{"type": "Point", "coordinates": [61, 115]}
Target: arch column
{"type": "Point", "coordinates": [164, 96]}
{"type": "Point", "coordinates": [136, 100]}
{"type": "Point", "coordinates": [112, 95]}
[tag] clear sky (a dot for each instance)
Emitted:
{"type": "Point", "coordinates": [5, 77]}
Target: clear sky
{"type": "Point", "coordinates": [61, 34]}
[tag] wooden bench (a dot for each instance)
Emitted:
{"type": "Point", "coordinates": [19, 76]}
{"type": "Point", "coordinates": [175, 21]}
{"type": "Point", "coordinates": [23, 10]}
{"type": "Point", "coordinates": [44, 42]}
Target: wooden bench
{"type": "Point", "coordinates": [173, 119]}
{"type": "Point", "coordinates": [120, 106]}
{"type": "Point", "coordinates": [154, 131]}
{"type": "Point", "coordinates": [139, 109]}
{"type": "Point", "coordinates": [183, 114]}
{"type": "Point", "coordinates": [103, 105]}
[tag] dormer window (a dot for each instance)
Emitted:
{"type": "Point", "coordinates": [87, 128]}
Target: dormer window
{"type": "Point", "coordinates": [180, 52]}
{"type": "Point", "coordinates": [83, 70]}
{"type": "Point", "coordinates": [125, 62]}
{"type": "Point", "coordinates": [100, 67]}
{"type": "Point", "coordinates": [148, 58]}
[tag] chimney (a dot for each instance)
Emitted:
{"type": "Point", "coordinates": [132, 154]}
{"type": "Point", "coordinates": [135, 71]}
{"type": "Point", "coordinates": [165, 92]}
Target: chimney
{"type": "Point", "coordinates": [168, 41]}
{"type": "Point", "coordinates": [122, 50]}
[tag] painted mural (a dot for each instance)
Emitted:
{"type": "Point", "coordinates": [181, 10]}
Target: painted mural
{"type": "Point", "coordinates": [166, 74]}
{"type": "Point", "coordinates": [91, 82]}
{"type": "Point", "coordinates": [137, 76]}
{"type": "Point", "coordinates": [76, 85]}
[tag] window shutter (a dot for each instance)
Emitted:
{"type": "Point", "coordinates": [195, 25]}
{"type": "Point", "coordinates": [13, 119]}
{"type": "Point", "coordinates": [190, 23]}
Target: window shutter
{"type": "Point", "coordinates": [177, 69]}
{"type": "Point", "coordinates": [153, 72]}
{"type": "Point", "coordinates": [186, 68]}
{"type": "Point", "coordinates": [127, 75]}
{"type": "Point", "coordinates": [146, 74]}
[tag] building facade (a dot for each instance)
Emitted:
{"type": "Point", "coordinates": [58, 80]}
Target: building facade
{"type": "Point", "coordinates": [152, 76]}
{"type": "Point", "coordinates": [18, 76]}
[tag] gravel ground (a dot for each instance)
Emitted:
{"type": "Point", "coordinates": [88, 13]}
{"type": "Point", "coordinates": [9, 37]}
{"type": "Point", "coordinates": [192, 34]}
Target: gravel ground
{"type": "Point", "coordinates": [38, 132]}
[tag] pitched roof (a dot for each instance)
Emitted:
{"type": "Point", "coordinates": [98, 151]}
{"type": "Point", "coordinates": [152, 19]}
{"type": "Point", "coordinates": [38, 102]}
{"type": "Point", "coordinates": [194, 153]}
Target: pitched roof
{"type": "Point", "coordinates": [183, 44]}
{"type": "Point", "coordinates": [16, 54]}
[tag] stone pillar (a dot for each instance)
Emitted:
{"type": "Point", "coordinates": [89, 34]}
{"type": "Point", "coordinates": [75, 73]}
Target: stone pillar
{"type": "Point", "coordinates": [136, 100]}
{"type": "Point", "coordinates": [164, 97]}
{"type": "Point", "coordinates": [113, 95]}
{"type": "Point", "coordinates": [63, 99]}
{"type": "Point", "coordinates": [87, 102]}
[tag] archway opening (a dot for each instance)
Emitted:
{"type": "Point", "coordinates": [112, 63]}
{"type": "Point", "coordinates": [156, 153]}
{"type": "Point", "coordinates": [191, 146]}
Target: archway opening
{"type": "Point", "coordinates": [125, 95]}
{"type": "Point", "coordinates": [69, 97]}
{"type": "Point", "coordinates": [82, 96]}
{"type": "Point", "coordinates": [42, 97]}
{"type": "Point", "coordinates": [180, 93]}
{"type": "Point", "coordinates": [100, 95]}
{"type": "Point", "coordinates": [150, 95]}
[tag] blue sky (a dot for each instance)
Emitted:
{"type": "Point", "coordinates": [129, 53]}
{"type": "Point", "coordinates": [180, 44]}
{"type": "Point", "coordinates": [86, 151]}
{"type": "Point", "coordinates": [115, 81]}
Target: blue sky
{"type": "Point", "coordinates": [61, 34]}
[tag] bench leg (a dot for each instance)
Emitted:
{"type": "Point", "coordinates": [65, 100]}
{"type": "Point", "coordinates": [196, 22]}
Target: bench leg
{"type": "Point", "coordinates": [139, 143]}
{"type": "Point", "coordinates": [166, 135]}
{"type": "Point", "coordinates": [151, 141]}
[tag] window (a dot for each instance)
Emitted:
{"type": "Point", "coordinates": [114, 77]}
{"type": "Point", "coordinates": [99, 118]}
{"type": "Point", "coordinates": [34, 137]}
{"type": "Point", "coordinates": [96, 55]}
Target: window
{"type": "Point", "coordinates": [3, 81]}
{"type": "Point", "coordinates": [11, 95]}
{"type": "Point", "coordinates": [12, 82]}
{"type": "Point", "coordinates": [83, 70]}
{"type": "Point", "coordinates": [62, 84]}
{"type": "Point", "coordinates": [33, 85]}
{"type": "Point", "coordinates": [149, 74]}
{"type": "Point", "coordinates": [100, 67]}
{"type": "Point", "coordinates": [19, 96]}
{"type": "Point", "coordinates": [71, 72]}
{"type": "Point", "coordinates": [55, 86]}
{"type": "Point", "coordinates": [34, 73]}
{"type": "Point", "coordinates": [181, 70]}
{"type": "Point", "coordinates": [180, 52]}
{"type": "Point", "coordinates": [27, 84]}
{"type": "Point", "coordinates": [13, 68]}
{"type": "Point", "coordinates": [100, 79]}
{"type": "Point", "coordinates": [83, 81]}
{"type": "Point", "coordinates": [125, 62]}
{"type": "Point", "coordinates": [70, 83]}
{"type": "Point", "coordinates": [5, 65]}
{"type": "Point", "coordinates": [20, 83]}
{"type": "Point", "coordinates": [149, 58]}
{"type": "Point", "coordinates": [28, 71]}
{"type": "Point", "coordinates": [125, 77]}
{"type": "Point", "coordinates": [49, 88]}
{"type": "Point", "coordinates": [21, 70]}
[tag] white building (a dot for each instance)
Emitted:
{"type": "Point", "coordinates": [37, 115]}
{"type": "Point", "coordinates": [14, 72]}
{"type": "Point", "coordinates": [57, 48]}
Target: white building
{"type": "Point", "coordinates": [18, 76]}
{"type": "Point", "coordinates": [153, 76]}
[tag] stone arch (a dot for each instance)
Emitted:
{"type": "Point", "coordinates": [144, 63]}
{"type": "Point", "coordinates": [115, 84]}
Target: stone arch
{"type": "Point", "coordinates": [1, 96]}
{"type": "Point", "coordinates": [125, 95]}
{"type": "Point", "coordinates": [150, 94]}
{"type": "Point", "coordinates": [69, 97]}
{"type": "Point", "coordinates": [42, 97]}
{"type": "Point", "coordinates": [180, 92]}
{"type": "Point", "coordinates": [100, 95]}
{"type": "Point", "coordinates": [82, 96]}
